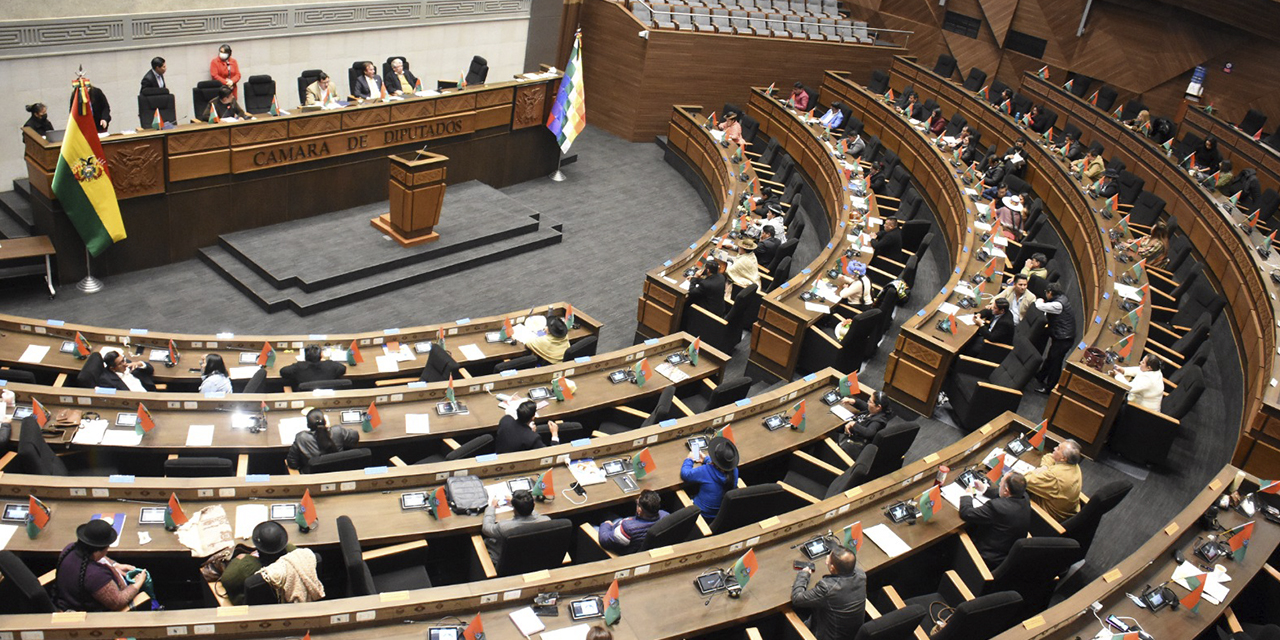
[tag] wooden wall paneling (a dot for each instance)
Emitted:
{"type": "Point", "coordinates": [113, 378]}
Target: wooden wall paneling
{"type": "Point", "coordinates": [999, 15]}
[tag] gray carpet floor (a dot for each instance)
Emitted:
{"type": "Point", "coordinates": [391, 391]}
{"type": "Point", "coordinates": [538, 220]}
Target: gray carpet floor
{"type": "Point", "coordinates": [625, 210]}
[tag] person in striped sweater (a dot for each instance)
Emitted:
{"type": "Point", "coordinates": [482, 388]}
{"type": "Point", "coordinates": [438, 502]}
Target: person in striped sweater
{"type": "Point", "coordinates": [627, 535]}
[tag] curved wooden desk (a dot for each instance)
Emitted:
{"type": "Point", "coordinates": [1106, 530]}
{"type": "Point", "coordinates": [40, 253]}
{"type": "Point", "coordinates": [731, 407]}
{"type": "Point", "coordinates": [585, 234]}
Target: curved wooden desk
{"type": "Point", "coordinates": [19, 333]}
{"type": "Point", "coordinates": [1235, 145]}
{"type": "Point", "coordinates": [174, 412]}
{"type": "Point", "coordinates": [1086, 402]}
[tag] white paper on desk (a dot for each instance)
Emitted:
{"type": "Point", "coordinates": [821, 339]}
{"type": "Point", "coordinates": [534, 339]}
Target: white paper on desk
{"type": "Point", "coordinates": [983, 208]}
{"type": "Point", "coordinates": [1000, 241]}
{"type": "Point", "coordinates": [887, 540]}
{"type": "Point", "coordinates": [121, 438]}
{"type": "Point", "coordinates": [981, 226]}
{"type": "Point", "coordinates": [717, 135]}
{"type": "Point", "coordinates": [827, 292]}
{"type": "Point", "coordinates": [387, 364]}
{"type": "Point", "coordinates": [502, 493]}
{"type": "Point", "coordinates": [527, 622]}
{"type": "Point", "coordinates": [671, 372]}
{"type": "Point", "coordinates": [586, 472]}
{"type": "Point", "coordinates": [242, 373]}
{"type": "Point", "coordinates": [953, 492]}
{"type": "Point", "coordinates": [417, 423]}
{"type": "Point", "coordinates": [947, 308]}
{"type": "Point", "coordinates": [34, 353]}
{"type": "Point", "coordinates": [426, 92]}
{"type": "Point", "coordinates": [962, 288]}
{"type": "Point", "coordinates": [1215, 588]}
{"type": "Point", "coordinates": [290, 428]}
{"type": "Point", "coordinates": [874, 221]}
{"type": "Point", "coordinates": [859, 203]}
{"type": "Point", "coordinates": [967, 319]}
{"type": "Point", "coordinates": [998, 253]}
{"type": "Point", "coordinates": [685, 285]}
{"type": "Point", "coordinates": [817, 308]}
{"type": "Point", "coordinates": [471, 352]}
{"type": "Point", "coordinates": [1128, 292]}
{"type": "Point", "coordinates": [404, 354]}
{"type": "Point", "coordinates": [200, 435]}
{"type": "Point", "coordinates": [576, 632]}
{"type": "Point", "coordinates": [6, 532]}
{"type": "Point", "coordinates": [249, 516]}
{"type": "Point", "coordinates": [90, 432]}
{"type": "Point", "coordinates": [841, 412]}
{"type": "Point", "coordinates": [158, 355]}
{"type": "Point", "coordinates": [950, 140]}
{"type": "Point", "coordinates": [522, 333]}
{"type": "Point", "coordinates": [969, 191]}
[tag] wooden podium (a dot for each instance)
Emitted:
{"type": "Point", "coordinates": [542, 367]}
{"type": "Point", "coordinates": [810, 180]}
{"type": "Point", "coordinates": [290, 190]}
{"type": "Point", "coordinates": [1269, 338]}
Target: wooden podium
{"type": "Point", "coordinates": [417, 191]}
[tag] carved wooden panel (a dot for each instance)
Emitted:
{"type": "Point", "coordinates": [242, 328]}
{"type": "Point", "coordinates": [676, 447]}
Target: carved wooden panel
{"type": "Point", "coordinates": [774, 318]}
{"type": "Point", "coordinates": [493, 98]}
{"type": "Point", "coordinates": [451, 104]}
{"type": "Point", "coordinates": [200, 140]}
{"type": "Point", "coordinates": [136, 167]}
{"type": "Point", "coordinates": [366, 117]}
{"type": "Point", "coordinates": [432, 175]}
{"type": "Point", "coordinates": [399, 174]}
{"type": "Point", "coordinates": [530, 106]}
{"type": "Point", "coordinates": [261, 132]}
{"type": "Point", "coordinates": [412, 110]}
{"type": "Point", "coordinates": [1085, 388]}
{"type": "Point", "coordinates": [311, 125]}
{"type": "Point", "coordinates": [921, 353]}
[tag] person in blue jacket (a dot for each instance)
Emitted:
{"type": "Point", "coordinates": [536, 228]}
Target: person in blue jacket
{"type": "Point", "coordinates": [713, 474]}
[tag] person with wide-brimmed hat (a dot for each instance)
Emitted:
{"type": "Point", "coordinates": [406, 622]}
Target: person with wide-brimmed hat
{"type": "Point", "coordinates": [270, 541]}
{"type": "Point", "coordinates": [550, 348]}
{"type": "Point", "coordinates": [1009, 213]}
{"type": "Point", "coordinates": [87, 580]}
{"type": "Point", "coordinates": [744, 269]}
{"type": "Point", "coordinates": [714, 471]}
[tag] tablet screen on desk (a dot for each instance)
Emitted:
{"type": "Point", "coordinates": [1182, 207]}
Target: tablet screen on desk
{"type": "Point", "coordinates": [22, 411]}
{"type": "Point", "coordinates": [248, 357]}
{"type": "Point", "coordinates": [451, 633]}
{"type": "Point", "coordinates": [151, 515]}
{"type": "Point", "coordinates": [15, 512]}
{"type": "Point", "coordinates": [126, 419]}
{"type": "Point", "coordinates": [68, 347]}
{"type": "Point", "coordinates": [414, 500]}
{"type": "Point", "coordinates": [587, 608]}
{"type": "Point", "coordinates": [520, 484]}
{"type": "Point", "coordinates": [539, 393]}
{"type": "Point", "coordinates": [286, 511]}
{"type": "Point", "coordinates": [353, 416]}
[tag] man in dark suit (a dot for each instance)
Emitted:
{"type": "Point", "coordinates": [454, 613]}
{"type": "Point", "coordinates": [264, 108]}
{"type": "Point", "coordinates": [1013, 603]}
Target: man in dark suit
{"type": "Point", "coordinates": [121, 373]}
{"type": "Point", "coordinates": [97, 102]}
{"type": "Point", "coordinates": [520, 433]}
{"type": "Point", "coordinates": [706, 288]}
{"type": "Point", "coordinates": [838, 602]}
{"type": "Point", "coordinates": [1002, 521]}
{"type": "Point", "coordinates": [888, 243]}
{"type": "Point", "coordinates": [155, 77]}
{"type": "Point", "coordinates": [768, 248]}
{"type": "Point", "coordinates": [401, 80]}
{"type": "Point", "coordinates": [369, 85]}
{"type": "Point", "coordinates": [998, 323]}
{"type": "Point", "coordinates": [312, 368]}
{"type": "Point", "coordinates": [1108, 186]}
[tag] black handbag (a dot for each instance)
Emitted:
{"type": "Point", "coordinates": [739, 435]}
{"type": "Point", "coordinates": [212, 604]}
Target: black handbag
{"type": "Point", "coordinates": [466, 494]}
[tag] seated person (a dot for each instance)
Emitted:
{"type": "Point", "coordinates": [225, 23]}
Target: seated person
{"type": "Point", "coordinates": [1070, 144]}
{"type": "Point", "coordinates": [401, 80]}
{"type": "Point", "coordinates": [321, 91]}
{"type": "Point", "coordinates": [495, 533]}
{"type": "Point", "coordinates": [855, 146]}
{"type": "Point", "coordinates": [773, 217]}
{"type": "Point", "coordinates": [997, 323]}
{"type": "Point", "coordinates": [961, 139]}
{"type": "Point", "coordinates": [993, 178]}
{"type": "Point", "coordinates": [1015, 158]}
{"type": "Point", "coordinates": [368, 85]}
{"type": "Point", "coordinates": [1020, 300]}
{"type": "Point", "coordinates": [913, 109]}
{"type": "Point", "coordinates": [1002, 521]}
{"type": "Point", "coordinates": [1036, 120]}
{"type": "Point", "coordinates": [627, 535]}
{"type": "Point", "coordinates": [732, 128]}
{"type": "Point", "coordinates": [1145, 381]}
{"type": "Point", "coordinates": [313, 368]}
{"type": "Point", "coordinates": [1154, 247]}
{"type": "Point", "coordinates": [769, 244]}
{"type": "Point", "coordinates": [877, 177]}
{"type": "Point", "coordinates": [519, 433]}
{"type": "Point", "coordinates": [1220, 179]}
{"type": "Point", "coordinates": [39, 119]}
{"type": "Point", "coordinates": [1207, 158]}
{"type": "Point", "coordinates": [1090, 167]}
{"type": "Point", "coordinates": [124, 374]}
{"type": "Point", "coordinates": [597, 632]}
{"type": "Point", "coordinates": [833, 118]}
{"type": "Point", "coordinates": [550, 348]}
{"type": "Point", "coordinates": [937, 123]}
{"type": "Point", "coordinates": [1009, 213]}
{"type": "Point", "coordinates": [1036, 266]}
{"type": "Point", "coordinates": [319, 439]}
{"type": "Point", "coordinates": [1107, 186]}
{"type": "Point", "coordinates": [871, 417]}
{"type": "Point", "coordinates": [799, 99]}
{"type": "Point", "coordinates": [213, 375]}
{"type": "Point", "coordinates": [224, 106]}
{"type": "Point", "coordinates": [713, 474]}
{"type": "Point", "coordinates": [996, 195]}
{"type": "Point", "coordinates": [855, 286]}
{"type": "Point", "coordinates": [744, 269]}
{"type": "Point", "coordinates": [87, 580]}
{"type": "Point", "coordinates": [706, 287]}
{"type": "Point", "coordinates": [1141, 123]}
{"type": "Point", "coordinates": [838, 602]}
{"type": "Point", "coordinates": [888, 243]}
{"type": "Point", "coordinates": [271, 542]}
{"type": "Point", "coordinates": [1055, 484]}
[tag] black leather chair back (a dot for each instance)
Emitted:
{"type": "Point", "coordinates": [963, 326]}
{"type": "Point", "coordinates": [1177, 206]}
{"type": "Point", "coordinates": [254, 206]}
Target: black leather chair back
{"type": "Point", "coordinates": [471, 448]}
{"type": "Point", "coordinates": [859, 342]}
{"type": "Point", "coordinates": [781, 274]}
{"type": "Point", "coordinates": [908, 210]}
{"type": "Point", "coordinates": [893, 442]}
{"type": "Point", "coordinates": [386, 67]}
{"type": "Point", "coordinates": [204, 91]}
{"type": "Point", "coordinates": [1016, 184]}
{"type": "Point", "coordinates": [954, 126]}
{"type": "Point", "coordinates": [857, 473]}
{"type": "Point", "coordinates": [18, 375]}
{"type": "Point", "coordinates": [1181, 400]}
{"type": "Point", "coordinates": [536, 546]}
{"type": "Point", "coordinates": [21, 591]}
{"type": "Point", "coordinates": [584, 347]}
{"type": "Point", "coordinates": [440, 366]}
{"type": "Point", "coordinates": [1018, 367]}
{"type": "Point", "coordinates": [359, 578]}
{"type": "Point", "coordinates": [349, 460]}
{"type": "Point", "coordinates": [305, 80]}
{"type": "Point", "coordinates": [1032, 566]}
{"type": "Point", "coordinates": [1130, 186]}
{"type": "Point", "coordinates": [796, 228]}
{"type": "Point", "coordinates": [93, 367]}
{"type": "Point", "coordinates": [879, 82]}
{"type": "Point", "coordinates": [1080, 84]}
{"type": "Point", "coordinates": [742, 507]}
{"type": "Point", "coordinates": [662, 409]}
{"type": "Point", "coordinates": [1147, 208]}
{"type": "Point", "coordinates": [997, 90]}
{"type": "Point", "coordinates": [1021, 103]}
{"type": "Point", "coordinates": [728, 392]}
{"type": "Point", "coordinates": [1201, 298]}
{"type": "Point", "coordinates": [342, 383]}
{"type": "Point", "coordinates": [899, 180]}
{"type": "Point", "coordinates": [34, 454]}
{"type": "Point", "coordinates": [523, 362]}
{"type": "Point", "coordinates": [673, 529]}
{"type": "Point", "coordinates": [153, 98]}
{"type": "Point", "coordinates": [1131, 109]}
{"type": "Point", "coordinates": [945, 66]}
{"type": "Point", "coordinates": [983, 618]}
{"type": "Point", "coordinates": [785, 251]}
{"type": "Point", "coordinates": [750, 127]}
{"type": "Point", "coordinates": [257, 382]}
{"type": "Point", "coordinates": [478, 72]}
{"type": "Point", "coordinates": [199, 467]}
{"type": "Point", "coordinates": [1106, 98]}
{"type": "Point", "coordinates": [976, 79]}
{"type": "Point", "coordinates": [356, 70]}
{"type": "Point", "coordinates": [1195, 336]}
{"type": "Point", "coordinates": [1082, 526]}
{"type": "Point", "coordinates": [259, 91]}
{"type": "Point", "coordinates": [899, 624]}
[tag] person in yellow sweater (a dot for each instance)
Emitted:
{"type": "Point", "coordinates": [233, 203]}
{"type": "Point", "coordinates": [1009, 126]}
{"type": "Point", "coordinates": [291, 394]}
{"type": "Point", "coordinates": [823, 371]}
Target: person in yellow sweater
{"type": "Point", "coordinates": [551, 347]}
{"type": "Point", "coordinates": [1055, 484]}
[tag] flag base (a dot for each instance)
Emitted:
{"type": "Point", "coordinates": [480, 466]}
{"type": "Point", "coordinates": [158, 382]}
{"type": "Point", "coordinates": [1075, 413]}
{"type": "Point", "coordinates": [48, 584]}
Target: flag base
{"type": "Point", "coordinates": [558, 176]}
{"type": "Point", "coordinates": [90, 284]}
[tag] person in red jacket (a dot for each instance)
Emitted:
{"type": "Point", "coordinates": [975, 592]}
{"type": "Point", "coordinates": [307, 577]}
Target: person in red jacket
{"type": "Point", "coordinates": [225, 69]}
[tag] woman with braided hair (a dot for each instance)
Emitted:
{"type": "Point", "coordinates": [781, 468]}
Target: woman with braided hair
{"type": "Point", "coordinates": [89, 581]}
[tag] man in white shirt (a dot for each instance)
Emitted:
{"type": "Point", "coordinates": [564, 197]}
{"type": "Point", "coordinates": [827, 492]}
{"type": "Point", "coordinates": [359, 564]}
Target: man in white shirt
{"type": "Point", "coordinates": [774, 218]}
{"type": "Point", "coordinates": [369, 85]}
{"type": "Point", "coordinates": [121, 373]}
{"type": "Point", "coordinates": [1146, 382]}
{"type": "Point", "coordinates": [1020, 299]}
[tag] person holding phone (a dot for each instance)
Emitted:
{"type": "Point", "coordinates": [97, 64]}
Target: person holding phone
{"type": "Point", "coordinates": [87, 580]}
{"type": "Point", "coordinates": [837, 604]}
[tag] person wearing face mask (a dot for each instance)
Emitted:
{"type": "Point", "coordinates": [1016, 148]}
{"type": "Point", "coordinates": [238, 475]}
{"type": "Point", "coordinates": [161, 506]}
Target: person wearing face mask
{"type": "Point", "coordinates": [225, 69]}
{"type": "Point", "coordinates": [39, 119]}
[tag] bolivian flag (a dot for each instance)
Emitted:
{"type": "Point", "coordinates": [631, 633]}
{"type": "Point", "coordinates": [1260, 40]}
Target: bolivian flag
{"type": "Point", "coordinates": [82, 183]}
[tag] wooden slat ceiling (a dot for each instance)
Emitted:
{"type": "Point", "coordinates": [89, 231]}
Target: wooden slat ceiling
{"type": "Point", "coordinates": [1258, 17]}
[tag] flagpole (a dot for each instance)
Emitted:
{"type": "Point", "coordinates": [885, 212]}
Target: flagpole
{"type": "Point", "coordinates": [558, 176]}
{"type": "Point", "coordinates": [89, 284]}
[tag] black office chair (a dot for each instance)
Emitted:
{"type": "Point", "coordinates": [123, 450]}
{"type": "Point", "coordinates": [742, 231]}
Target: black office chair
{"type": "Point", "coordinates": [349, 460]}
{"type": "Point", "coordinates": [356, 70]}
{"type": "Point", "coordinates": [879, 82]}
{"type": "Point", "coordinates": [1084, 525]}
{"type": "Point", "coordinates": [980, 390]}
{"type": "Point", "coordinates": [20, 590]}
{"type": "Point", "coordinates": [341, 383]}
{"type": "Point", "coordinates": [18, 375]}
{"type": "Point", "coordinates": [1146, 437]}
{"type": "Point", "coordinates": [199, 467]}
{"type": "Point", "coordinates": [675, 528]}
{"type": "Point", "coordinates": [780, 275]}
{"type": "Point", "coordinates": [305, 80]}
{"type": "Point", "coordinates": [151, 99]}
{"type": "Point", "coordinates": [1131, 109]}
{"type": "Point", "coordinates": [259, 91]}
{"type": "Point", "coordinates": [975, 81]}
{"type": "Point", "coordinates": [741, 507]}
{"type": "Point", "coordinates": [386, 68]}
{"type": "Point", "coordinates": [819, 350]}
{"type": "Point", "coordinates": [480, 444]}
{"type": "Point", "coordinates": [804, 476]}
{"type": "Point", "coordinates": [515, 364]}
{"type": "Point", "coordinates": [723, 395]}
{"type": "Point", "coordinates": [585, 347]}
{"type": "Point", "coordinates": [478, 72]}
{"type": "Point", "coordinates": [1021, 103]}
{"type": "Point", "coordinates": [722, 333]}
{"type": "Point", "coordinates": [34, 454]}
{"type": "Point", "coordinates": [257, 382]}
{"type": "Point", "coordinates": [1031, 569]}
{"type": "Point", "coordinates": [536, 546]}
{"type": "Point", "coordinates": [785, 250]}
{"type": "Point", "coordinates": [1195, 300]}
{"type": "Point", "coordinates": [440, 366]}
{"type": "Point", "coordinates": [1130, 186]}
{"type": "Point", "coordinates": [997, 90]}
{"type": "Point", "coordinates": [617, 421]}
{"type": "Point", "coordinates": [892, 442]}
{"type": "Point", "coordinates": [93, 367]}
{"type": "Point", "coordinates": [899, 624]}
{"type": "Point", "coordinates": [1146, 209]}
{"type": "Point", "coordinates": [362, 580]}
{"type": "Point", "coordinates": [1080, 84]}
{"type": "Point", "coordinates": [982, 618]}
{"type": "Point", "coordinates": [945, 67]}
{"type": "Point", "coordinates": [202, 94]}
{"type": "Point", "coordinates": [1106, 98]}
